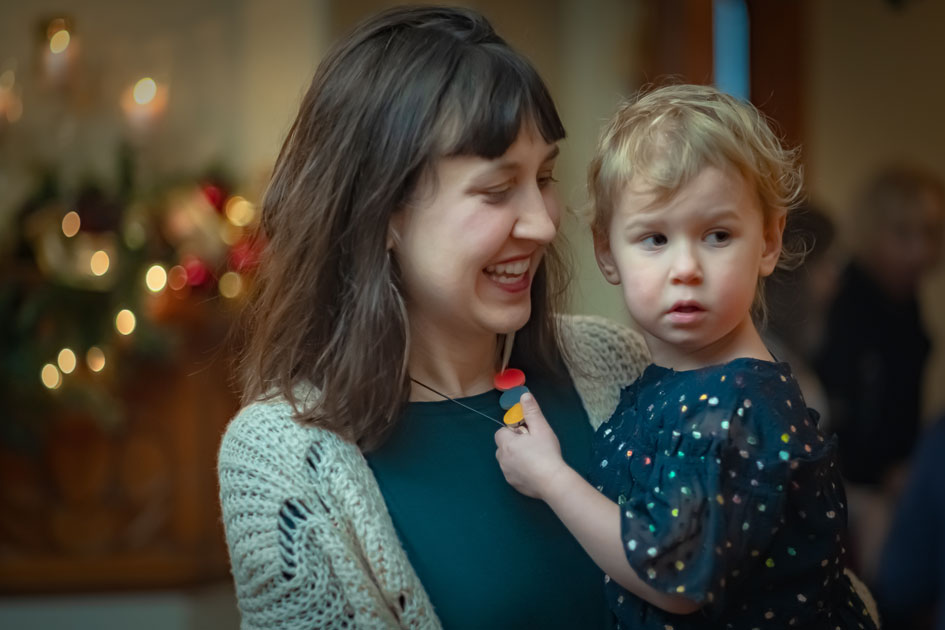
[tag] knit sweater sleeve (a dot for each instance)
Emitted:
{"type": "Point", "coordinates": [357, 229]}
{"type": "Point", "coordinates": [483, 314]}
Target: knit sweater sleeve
{"type": "Point", "coordinates": [297, 558]}
{"type": "Point", "coordinates": [603, 357]}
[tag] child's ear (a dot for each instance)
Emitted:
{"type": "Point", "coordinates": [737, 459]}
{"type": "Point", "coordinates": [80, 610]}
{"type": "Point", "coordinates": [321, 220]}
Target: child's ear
{"type": "Point", "coordinates": [773, 234]}
{"type": "Point", "coordinates": [605, 258]}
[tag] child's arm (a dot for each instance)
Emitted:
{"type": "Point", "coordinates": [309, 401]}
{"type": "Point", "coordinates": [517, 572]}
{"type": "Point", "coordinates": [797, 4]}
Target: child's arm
{"type": "Point", "coordinates": [532, 464]}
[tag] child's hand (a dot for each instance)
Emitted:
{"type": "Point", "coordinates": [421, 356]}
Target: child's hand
{"type": "Point", "coordinates": [529, 460]}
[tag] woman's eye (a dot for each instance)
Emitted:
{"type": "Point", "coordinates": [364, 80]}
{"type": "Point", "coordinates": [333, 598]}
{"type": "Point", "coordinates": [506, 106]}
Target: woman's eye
{"type": "Point", "coordinates": [497, 195]}
{"type": "Point", "coordinates": [653, 240]}
{"type": "Point", "coordinates": [718, 237]}
{"type": "Point", "coordinates": [545, 180]}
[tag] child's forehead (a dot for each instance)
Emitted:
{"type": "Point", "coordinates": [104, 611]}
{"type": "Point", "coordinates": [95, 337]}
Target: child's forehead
{"type": "Point", "coordinates": [643, 195]}
{"type": "Point", "coordinates": [639, 198]}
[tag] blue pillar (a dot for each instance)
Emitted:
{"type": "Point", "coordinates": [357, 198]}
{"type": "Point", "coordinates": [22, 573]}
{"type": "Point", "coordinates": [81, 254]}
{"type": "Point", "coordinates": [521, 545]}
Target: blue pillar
{"type": "Point", "coordinates": [730, 32]}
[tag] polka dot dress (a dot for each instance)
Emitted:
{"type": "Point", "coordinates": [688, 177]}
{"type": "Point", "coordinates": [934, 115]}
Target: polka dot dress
{"type": "Point", "coordinates": [729, 495]}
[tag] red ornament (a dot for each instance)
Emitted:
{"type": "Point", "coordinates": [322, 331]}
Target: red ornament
{"type": "Point", "coordinates": [507, 379]}
{"type": "Point", "coordinates": [214, 195]}
{"type": "Point", "coordinates": [198, 274]}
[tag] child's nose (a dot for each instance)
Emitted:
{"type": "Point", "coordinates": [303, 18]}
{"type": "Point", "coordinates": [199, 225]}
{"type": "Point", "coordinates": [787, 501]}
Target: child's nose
{"type": "Point", "coordinates": [686, 267]}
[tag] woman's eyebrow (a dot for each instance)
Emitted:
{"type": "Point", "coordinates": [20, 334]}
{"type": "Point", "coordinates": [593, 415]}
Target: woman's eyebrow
{"type": "Point", "coordinates": [510, 164]}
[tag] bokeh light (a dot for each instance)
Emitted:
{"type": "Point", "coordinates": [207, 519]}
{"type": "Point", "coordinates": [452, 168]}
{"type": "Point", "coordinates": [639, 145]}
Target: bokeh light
{"type": "Point", "coordinates": [99, 263]}
{"type": "Point", "coordinates": [95, 359]}
{"type": "Point", "coordinates": [231, 284]}
{"type": "Point", "coordinates": [144, 91]}
{"type": "Point", "coordinates": [59, 41]}
{"type": "Point", "coordinates": [66, 360]}
{"type": "Point", "coordinates": [156, 278]}
{"type": "Point", "coordinates": [239, 211]}
{"type": "Point", "coordinates": [50, 376]}
{"type": "Point", "coordinates": [71, 224]}
{"type": "Point", "coordinates": [177, 277]}
{"type": "Point", "coordinates": [125, 321]}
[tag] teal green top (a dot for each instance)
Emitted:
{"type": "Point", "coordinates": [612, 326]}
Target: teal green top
{"type": "Point", "coordinates": [488, 556]}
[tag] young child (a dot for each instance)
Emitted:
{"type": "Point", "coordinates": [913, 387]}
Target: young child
{"type": "Point", "coordinates": [714, 501]}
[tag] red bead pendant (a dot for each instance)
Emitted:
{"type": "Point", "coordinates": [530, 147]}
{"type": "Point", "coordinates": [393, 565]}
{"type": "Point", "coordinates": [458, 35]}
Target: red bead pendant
{"type": "Point", "coordinates": [507, 379]}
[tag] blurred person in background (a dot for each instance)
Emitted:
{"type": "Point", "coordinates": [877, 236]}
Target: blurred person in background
{"type": "Point", "coordinates": [798, 299]}
{"type": "Point", "coordinates": [910, 583]}
{"type": "Point", "coordinates": [875, 346]}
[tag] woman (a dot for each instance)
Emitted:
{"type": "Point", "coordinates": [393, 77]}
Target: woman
{"type": "Point", "coordinates": [410, 220]}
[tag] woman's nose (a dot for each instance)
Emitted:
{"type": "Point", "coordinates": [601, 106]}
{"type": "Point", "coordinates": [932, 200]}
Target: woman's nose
{"type": "Point", "coordinates": [538, 217]}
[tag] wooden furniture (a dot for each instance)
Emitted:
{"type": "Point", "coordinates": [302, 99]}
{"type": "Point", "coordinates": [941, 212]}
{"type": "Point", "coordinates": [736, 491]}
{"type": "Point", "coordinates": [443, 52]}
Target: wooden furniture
{"type": "Point", "coordinates": [132, 506]}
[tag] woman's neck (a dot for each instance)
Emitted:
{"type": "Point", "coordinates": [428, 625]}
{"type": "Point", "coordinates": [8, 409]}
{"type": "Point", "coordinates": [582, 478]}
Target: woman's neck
{"type": "Point", "coordinates": [453, 365]}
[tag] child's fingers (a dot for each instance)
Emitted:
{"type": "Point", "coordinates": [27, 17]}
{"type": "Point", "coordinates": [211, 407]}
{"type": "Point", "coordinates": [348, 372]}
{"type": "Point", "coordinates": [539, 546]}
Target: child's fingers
{"type": "Point", "coordinates": [534, 418]}
{"type": "Point", "coordinates": [501, 437]}
{"type": "Point", "coordinates": [506, 435]}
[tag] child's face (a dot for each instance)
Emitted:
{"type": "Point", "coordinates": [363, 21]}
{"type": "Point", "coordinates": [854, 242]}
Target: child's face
{"type": "Point", "coordinates": [689, 266]}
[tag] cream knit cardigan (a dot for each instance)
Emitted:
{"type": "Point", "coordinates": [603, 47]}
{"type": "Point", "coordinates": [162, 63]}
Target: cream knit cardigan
{"type": "Point", "coordinates": [311, 542]}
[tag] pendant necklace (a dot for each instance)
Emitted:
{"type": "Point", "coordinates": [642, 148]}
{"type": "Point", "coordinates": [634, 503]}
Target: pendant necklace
{"type": "Point", "coordinates": [511, 382]}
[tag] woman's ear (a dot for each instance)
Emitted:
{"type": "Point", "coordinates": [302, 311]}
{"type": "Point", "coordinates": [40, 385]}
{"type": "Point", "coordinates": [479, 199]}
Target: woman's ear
{"type": "Point", "coordinates": [393, 229]}
{"type": "Point", "coordinates": [605, 258]}
{"type": "Point", "coordinates": [773, 235]}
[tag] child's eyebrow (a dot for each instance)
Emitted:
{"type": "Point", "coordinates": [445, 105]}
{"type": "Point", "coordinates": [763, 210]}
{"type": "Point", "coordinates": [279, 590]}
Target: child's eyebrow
{"type": "Point", "coordinates": [639, 221]}
{"type": "Point", "coordinates": [723, 213]}
{"type": "Point", "coordinates": [651, 218]}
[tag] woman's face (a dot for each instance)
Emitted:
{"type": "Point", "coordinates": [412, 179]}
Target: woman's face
{"type": "Point", "coordinates": [472, 238]}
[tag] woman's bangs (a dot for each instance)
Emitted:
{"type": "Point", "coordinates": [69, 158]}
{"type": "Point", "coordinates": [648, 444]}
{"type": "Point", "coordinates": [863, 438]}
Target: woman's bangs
{"type": "Point", "coordinates": [490, 98]}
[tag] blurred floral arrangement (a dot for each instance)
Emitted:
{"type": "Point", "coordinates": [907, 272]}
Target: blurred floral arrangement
{"type": "Point", "coordinates": [94, 282]}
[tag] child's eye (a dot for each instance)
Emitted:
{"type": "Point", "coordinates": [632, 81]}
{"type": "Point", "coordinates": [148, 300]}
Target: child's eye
{"type": "Point", "coordinates": [653, 241]}
{"type": "Point", "coordinates": [718, 237]}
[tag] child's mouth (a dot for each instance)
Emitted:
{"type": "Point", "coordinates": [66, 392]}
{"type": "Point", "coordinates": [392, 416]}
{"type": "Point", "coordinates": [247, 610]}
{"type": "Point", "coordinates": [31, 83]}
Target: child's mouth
{"type": "Point", "coordinates": [687, 306]}
{"type": "Point", "coordinates": [687, 312]}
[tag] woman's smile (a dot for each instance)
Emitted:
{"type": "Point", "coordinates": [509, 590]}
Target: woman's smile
{"type": "Point", "coordinates": [511, 275]}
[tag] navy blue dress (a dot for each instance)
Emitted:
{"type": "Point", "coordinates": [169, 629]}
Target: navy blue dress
{"type": "Point", "coordinates": [730, 496]}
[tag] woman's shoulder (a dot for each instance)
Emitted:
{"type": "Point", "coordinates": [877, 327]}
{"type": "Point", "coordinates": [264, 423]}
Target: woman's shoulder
{"type": "Point", "coordinates": [264, 437]}
{"type": "Point", "coordinates": [598, 345]}
{"type": "Point", "coordinates": [602, 357]}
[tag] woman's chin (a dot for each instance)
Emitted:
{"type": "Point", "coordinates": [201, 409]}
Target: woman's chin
{"type": "Point", "coordinates": [510, 320]}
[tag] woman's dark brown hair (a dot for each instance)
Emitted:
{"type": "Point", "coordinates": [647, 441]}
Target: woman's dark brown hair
{"type": "Point", "coordinates": [405, 88]}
